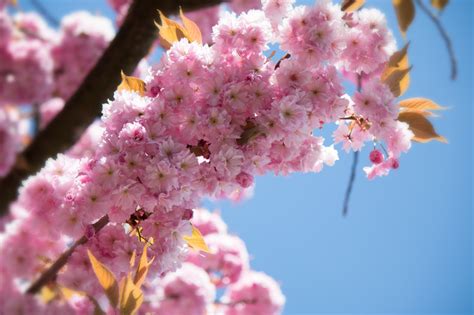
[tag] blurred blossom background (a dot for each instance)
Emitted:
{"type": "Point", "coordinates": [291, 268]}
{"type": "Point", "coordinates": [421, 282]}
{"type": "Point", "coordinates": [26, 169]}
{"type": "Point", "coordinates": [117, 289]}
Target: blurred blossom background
{"type": "Point", "coordinates": [406, 245]}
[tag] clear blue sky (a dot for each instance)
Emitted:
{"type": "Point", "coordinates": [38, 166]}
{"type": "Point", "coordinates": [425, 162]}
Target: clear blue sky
{"type": "Point", "coordinates": [406, 246]}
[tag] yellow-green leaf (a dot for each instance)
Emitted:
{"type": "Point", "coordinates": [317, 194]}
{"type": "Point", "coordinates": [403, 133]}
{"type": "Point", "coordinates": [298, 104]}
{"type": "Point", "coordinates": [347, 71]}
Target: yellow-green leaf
{"type": "Point", "coordinates": [142, 268]}
{"type": "Point", "coordinates": [131, 297]}
{"type": "Point", "coordinates": [193, 33]}
{"type": "Point", "coordinates": [106, 279]}
{"type": "Point", "coordinates": [398, 61]}
{"type": "Point", "coordinates": [396, 81]}
{"type": "Point", "coordinates": [421, 127]}
{"type": "Point", "coordinates": [405, 11]}
{"type": "Point", "coordinates": [132, 84]}
{"type": "Point", "coordinates": [351, 5]}
{"type": "Point", "coordinates": [133, 258]}
{"type": "Point", "coordinates": [439, 4]}
{"type": "Point", "coordinates": [169, 31]}
{"type": "Point", "coordinates": [419, 104]}
{"type": "Point", "coordinates": [47, 294]}
{"type": "Point", "coordinates": [196, 241]}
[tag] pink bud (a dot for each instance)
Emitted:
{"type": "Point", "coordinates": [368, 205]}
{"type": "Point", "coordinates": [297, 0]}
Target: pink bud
{"type": "Point", "coordinates": [376, 156]}
{"type": "Point", "coordinates": [188, 214]}
{"type": "Point", "coordinates": [244, 179]}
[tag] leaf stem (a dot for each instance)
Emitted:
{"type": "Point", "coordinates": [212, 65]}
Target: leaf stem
{"type": "Point", "coordinates": [445, 36]}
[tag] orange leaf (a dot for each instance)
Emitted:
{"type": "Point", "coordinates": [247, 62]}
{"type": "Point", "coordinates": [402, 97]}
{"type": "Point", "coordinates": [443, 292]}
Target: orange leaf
{"type": "Point", "coordinates": [439, 4]}
{"type": "Point", "coordinates": [106, 279]}
{"type": "Point", "coordinates": [170, 31]}
{"type": "Point", "coordinates": [397, 81]}
{"type": "Point", "coordinates": [351, 5]}
{"type": "Point", "coordinates": [196, 241]}
{"type": "Point", "coordinates": [192, 30]}
{"type": "Point", "coordinates": [405, 11]}
{"type": "Point", "coordinates": [421, 127]}
{"type": "Point", "coordinates": [419, 104]}
{"type": "Point", "coordinates": [132, 84]}
{"type": "Point", "coordinates": [398, 61]}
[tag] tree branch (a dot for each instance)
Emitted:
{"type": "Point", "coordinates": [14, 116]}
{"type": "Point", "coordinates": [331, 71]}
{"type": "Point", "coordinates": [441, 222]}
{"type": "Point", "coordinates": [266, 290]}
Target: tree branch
{"type": "Point", "coordinates": [130, 45]}
{"type": "Point", "coordinates": [52, 271]}
{"type": "Point", "coordinates": [445, 36]}
{"type": "Point", "coordinates": [355, 161]}
{"type": "Point", "coordinates": [352, 177]}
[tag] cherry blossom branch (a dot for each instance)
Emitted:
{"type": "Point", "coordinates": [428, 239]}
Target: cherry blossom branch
{"type": "Point", "coordinates": [445, 36]}
{"type": "Point", "coordinates": [355, 161]}
{"type": "Point", "coordinates": [352, 177]}
{"type": "Point", "coordinates": [132, 42]}
{"type": "Point", "coordinates": [52, 271]}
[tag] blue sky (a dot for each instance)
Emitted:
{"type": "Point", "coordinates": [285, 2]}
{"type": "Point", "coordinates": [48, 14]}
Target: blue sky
{"type": "Point", "coordinates": [406, 245]}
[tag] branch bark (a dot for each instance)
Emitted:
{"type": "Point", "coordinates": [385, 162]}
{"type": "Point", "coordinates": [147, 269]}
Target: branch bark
{"type": "Point", "coordinates": [130, 45]}
{"type": "Point", "coordinates": [52, 271]}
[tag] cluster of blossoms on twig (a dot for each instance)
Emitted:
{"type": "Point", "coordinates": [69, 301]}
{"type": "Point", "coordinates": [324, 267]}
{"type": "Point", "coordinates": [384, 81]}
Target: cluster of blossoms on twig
{"type": "Point", "coordinates": [41, 68]}
{"type": "Point", "coordinates": [209, 120]}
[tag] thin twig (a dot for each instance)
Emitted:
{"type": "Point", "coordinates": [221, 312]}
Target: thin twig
{"type": "Point", "coordinates": [445, 36]}
{"type": "Point", "coordinates": [352, 177]}
{"type": "Point", "coordinates": [45, 12]}
{"type": "Point", "coordinates": [52, 271]}
{"type": "Point", "coordinates": [355, 161]}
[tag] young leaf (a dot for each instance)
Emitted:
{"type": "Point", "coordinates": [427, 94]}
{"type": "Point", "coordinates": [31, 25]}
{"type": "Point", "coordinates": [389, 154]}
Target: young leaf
{"type": "Point", "coordinates": [439, 4]}
{"type": "Point", "coordinates": [398, 61]}
{"type": "Point", "coordinates": [419, 104]}
{"type": "Point", "coordinates": [106, 279]}
{"type": "Point", "coordinates": [196, 241]}
{"type": "Point", "coordinates": [131, 297]}
{"type": "Point", "coordinates": [47, 294]}
{"type": "Point", "coordinates": [421, 127]}
{"type": "Point", "coordinates": [405, 11]}
{"type": "Point", "coordinates": [133, 258]}
{"type": "Point", "coordinates": [131, 84]}
{"type": "Point", "coordinates": [351, 5]}
{"type": "Point", "coordinates": [170, 31]}
{"type": "Point", "coordinates": [192, 30]}
{"type": "Point", "coordinates": [142, 268]}
{"type": "Point", "coordinates": [396, 81]}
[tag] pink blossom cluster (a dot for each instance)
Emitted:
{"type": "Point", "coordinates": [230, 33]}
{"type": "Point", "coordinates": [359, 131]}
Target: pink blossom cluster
{"type": "Point", "coordinates": [212, 118]}
{"type": "Point", "coordinates": [82, 39]}
{"type": "Point", "coordinates": [43, 67]}
{"type": "Point", "coordinates": [205, 18]}
{"type": "Point", "coordinates": [192, 288]}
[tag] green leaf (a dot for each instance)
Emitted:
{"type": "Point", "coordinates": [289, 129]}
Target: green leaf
{"type": "Point", "coordinates": [106, 279]}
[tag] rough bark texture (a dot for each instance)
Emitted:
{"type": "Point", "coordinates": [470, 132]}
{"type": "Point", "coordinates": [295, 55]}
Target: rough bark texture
{"type": "Point", "coordinates": [133, 42]}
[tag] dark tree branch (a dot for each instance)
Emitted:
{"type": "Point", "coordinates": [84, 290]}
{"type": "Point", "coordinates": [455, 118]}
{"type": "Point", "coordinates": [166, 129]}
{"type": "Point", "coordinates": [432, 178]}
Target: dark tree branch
{"type": "Point", "coordinates": [355, 161]}
{"type": "Point", "coordinates": [445, 36]}
{"type": "Point", "coordinates": [52, 271]}
{"type": "Point", "coordinates": [347, 197]}
{"type": "Point", "coordinates": [130, 45]}
{"type": "Point", "coordinates": [45, 12]}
